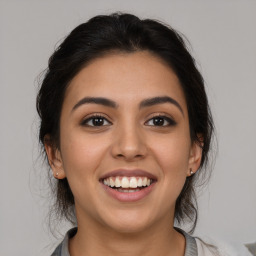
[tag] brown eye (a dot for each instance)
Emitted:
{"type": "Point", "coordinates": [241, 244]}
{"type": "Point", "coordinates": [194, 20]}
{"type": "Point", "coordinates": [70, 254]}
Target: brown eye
{"type": "Point", "coordinates": [95, 121]}
{"type": "Point", "coordinates": [161, 121]}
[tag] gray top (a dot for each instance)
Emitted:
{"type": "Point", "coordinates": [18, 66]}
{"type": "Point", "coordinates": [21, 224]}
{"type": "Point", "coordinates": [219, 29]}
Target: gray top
{"type": "Point", "coordinates": [252, 248]}
{"type": "Point", "coordinates": [62, 249]}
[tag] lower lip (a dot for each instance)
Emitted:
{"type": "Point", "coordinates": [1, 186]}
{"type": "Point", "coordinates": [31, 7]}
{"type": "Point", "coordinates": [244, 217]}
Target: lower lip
{"type": "Point", "coordinates": [129, 196]}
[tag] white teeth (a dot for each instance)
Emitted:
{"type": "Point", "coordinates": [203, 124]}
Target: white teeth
{"type": "Point", "coordinates": [112, 183]}
{"type": "Point", "coordinates": [139, 182]}
{"type": "Point", "coordinates": [117, 182]}
{"type": "Point", "coordinates": [124, 190]}
{"type": "Point", "coordinates": [133, 182]}
{"type": "Point", "coordinates": [127, 182]}
{"type": "Point", "coordinates": [144, 182]}
{"type": "Point", "coordinates": [127, 190]}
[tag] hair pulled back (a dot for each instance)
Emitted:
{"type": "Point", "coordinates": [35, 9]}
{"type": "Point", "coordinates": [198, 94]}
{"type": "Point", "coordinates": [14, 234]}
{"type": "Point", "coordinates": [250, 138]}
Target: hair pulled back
{"type": "Point", "coordinates": [125, 33]}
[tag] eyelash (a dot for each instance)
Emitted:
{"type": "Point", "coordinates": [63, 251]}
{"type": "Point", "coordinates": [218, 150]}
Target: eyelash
{"type": "Point", "coordinates": [91, 118]}
{"type": "Point", "coordinates": [170, 121]}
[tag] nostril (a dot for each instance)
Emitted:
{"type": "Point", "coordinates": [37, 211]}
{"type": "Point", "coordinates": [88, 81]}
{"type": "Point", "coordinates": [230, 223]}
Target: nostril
{"type": "Point", "coordinates": [130, 156]}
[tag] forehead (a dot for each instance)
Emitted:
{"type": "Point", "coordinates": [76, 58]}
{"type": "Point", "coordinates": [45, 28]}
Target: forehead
{"type": "Point", "coordinates": [126, 77]}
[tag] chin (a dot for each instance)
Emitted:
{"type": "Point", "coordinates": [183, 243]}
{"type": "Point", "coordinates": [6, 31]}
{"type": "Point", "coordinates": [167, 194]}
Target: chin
{"type": "Point", "coordinates": [128, 228]}
{"type": "Point", "coordinates": [128, 223]}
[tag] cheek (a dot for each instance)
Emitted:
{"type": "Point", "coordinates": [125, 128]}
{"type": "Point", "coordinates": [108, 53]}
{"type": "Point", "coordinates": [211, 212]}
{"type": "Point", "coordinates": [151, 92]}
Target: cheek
{"type": "Point", "coordinates": [81, 154]}
{"type": "Point", "coordinates": [172, 153]}
{"type": "Point", "coordinates": [172, 156]}
{"type": "Point", "coordinates": [81, 158]}
{"type": "Point", "coordinates": [174, 170]}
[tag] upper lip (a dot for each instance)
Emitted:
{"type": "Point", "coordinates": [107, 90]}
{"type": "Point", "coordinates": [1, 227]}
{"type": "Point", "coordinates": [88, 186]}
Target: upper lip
{"type": "Point", "coordinates": [129, 173]}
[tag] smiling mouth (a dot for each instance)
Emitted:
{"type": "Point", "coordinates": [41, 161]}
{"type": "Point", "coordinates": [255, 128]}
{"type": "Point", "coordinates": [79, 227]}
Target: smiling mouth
{"type": "Point", "coordinates": [127, 184]}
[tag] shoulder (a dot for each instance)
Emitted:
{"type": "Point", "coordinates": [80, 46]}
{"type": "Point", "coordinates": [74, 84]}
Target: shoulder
{"type": "Point", "coordinates": [62, 248]}
{"type": "Point", "coordinates": [220, 248]}
{"type": "Point", "coordinates": [57, 251]}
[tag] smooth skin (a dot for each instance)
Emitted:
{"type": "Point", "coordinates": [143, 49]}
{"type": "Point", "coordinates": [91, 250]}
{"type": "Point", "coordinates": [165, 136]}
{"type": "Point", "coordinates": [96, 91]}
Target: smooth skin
{"type": "Point", "coordinates": [154, 138]}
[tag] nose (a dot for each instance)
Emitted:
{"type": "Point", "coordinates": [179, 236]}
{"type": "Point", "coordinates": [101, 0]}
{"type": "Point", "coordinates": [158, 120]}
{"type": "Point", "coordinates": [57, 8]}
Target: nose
{"type": "Point", "coordinates": [129, 144]}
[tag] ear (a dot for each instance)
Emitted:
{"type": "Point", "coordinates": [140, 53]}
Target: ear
{"type": "Point", "coordinates": [54, 158]}
{"type": "Point", "coordinates": [195, 157]}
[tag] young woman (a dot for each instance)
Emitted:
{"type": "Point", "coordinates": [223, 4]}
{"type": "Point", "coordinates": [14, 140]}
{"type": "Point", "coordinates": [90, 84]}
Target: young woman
{"type": "Point", "coordinates": [126, 126]}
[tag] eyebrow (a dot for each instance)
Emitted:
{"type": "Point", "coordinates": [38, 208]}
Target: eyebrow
{"type": "Point", "coordinates": [95, 100]}
{"type": "Point", "coordinates": [160, 100]}
{"type": "Point", "coordinates": [145, 103]}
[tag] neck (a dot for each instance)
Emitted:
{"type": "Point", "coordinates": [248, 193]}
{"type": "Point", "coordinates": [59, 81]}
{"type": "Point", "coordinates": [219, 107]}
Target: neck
{"type": "Point", "coordinates": [160, 239]}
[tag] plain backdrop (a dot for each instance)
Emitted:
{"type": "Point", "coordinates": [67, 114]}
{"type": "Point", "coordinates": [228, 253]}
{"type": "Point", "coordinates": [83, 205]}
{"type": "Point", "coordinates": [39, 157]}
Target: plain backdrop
{"type": "Point", "coordinates": [223, 41]}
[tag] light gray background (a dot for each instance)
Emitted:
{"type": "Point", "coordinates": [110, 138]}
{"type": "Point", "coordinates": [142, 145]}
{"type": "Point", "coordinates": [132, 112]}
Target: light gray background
{"type": "Point", "coordinates": [223, 38]}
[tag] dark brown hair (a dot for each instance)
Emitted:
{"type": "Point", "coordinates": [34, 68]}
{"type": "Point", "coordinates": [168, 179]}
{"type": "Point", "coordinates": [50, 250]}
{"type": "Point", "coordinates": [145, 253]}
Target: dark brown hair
{"type": "Point", "coordinates": [125, 33]}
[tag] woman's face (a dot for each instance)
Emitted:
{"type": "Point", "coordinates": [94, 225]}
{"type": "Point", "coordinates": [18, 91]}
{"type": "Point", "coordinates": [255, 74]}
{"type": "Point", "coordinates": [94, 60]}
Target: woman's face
{"type": "Point", "coordinates": [125, 145]}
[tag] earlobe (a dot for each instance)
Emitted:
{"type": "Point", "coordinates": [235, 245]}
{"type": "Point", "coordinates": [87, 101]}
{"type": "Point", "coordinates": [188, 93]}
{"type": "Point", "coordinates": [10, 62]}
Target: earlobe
{"type": "Point", "coordinates": [194, 158]}
{"type": "Point", "coordinates": [54, 158]}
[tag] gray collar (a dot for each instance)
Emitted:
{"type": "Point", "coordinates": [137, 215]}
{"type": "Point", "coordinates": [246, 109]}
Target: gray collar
{"type": "Point", "coordinates": [62, 249]}
{"type": "Point", "coordinates": [191, 246]}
